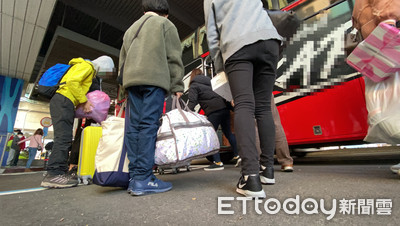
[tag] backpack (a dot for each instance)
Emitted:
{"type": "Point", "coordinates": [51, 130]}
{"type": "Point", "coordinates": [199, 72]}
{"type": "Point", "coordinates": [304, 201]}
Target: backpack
{"type": "Point", "coordinates": [50, 80]}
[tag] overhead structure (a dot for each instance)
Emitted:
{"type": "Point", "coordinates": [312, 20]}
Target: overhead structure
{"type": "Point", "coordinates": [31, 42]}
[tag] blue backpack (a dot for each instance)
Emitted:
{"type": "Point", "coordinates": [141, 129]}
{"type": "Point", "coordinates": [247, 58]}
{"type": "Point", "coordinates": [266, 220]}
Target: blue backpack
{"type": "Point", "coordinates": [50, 80]}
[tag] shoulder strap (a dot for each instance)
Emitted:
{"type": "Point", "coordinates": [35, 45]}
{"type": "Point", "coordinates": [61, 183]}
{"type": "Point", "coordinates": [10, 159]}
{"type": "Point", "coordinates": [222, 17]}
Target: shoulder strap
{"type": "Point", "coordinates": [137, 33]}
{"type": "Point", "coordinates": [140, 27]}
{"type": "Point", "coordinates": [36, 140]}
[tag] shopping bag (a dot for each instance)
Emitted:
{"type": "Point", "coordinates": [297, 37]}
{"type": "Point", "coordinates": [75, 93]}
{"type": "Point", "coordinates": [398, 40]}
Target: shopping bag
{"type": "Point", "coordinates": [111, 161]}
{"type": "Point", "coordinates": [220, 85]}
{"type": "Point", "coordinates": [183, 136]}
{"type": "Point", "coordinates": [377, 57]}
{"type": "Point", "coordinates": [101, 104]}
{"type": "Point", "coordinates": [383, 104]}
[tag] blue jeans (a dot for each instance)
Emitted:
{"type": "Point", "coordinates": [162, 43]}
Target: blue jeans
{"type": "Point", "coordinates": [142, 120]}
{"type": "Point", "coordinates": [223, 117]}
{"type": "Point", "coordinates": [32, 154]}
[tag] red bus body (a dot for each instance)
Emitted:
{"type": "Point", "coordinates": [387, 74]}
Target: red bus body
{"type": "Point", "coordinates": [340, 112]}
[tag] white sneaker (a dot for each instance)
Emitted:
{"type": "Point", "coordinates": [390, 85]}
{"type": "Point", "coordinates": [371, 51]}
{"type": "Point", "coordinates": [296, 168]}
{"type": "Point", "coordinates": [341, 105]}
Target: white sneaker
{"type": "Point", "coordinates": [395, 168]}
{"type": "Point", "coordinates": [238, 162]}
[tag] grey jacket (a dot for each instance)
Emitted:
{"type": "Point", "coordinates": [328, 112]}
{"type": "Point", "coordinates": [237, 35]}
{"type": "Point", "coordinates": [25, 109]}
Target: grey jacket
{"type": "Point", "coordinates": [232, 24]}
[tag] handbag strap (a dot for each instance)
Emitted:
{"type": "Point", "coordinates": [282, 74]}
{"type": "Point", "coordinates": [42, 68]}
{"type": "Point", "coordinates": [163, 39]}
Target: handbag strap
{"type": "Point", "coordinates": [134, 37]}
{"type": "Point", "coordinates": [175, 102]}
{"type": "Point", "coordinates": [36, 141]}
{"type": "Point", "coordinates": [123, 107]}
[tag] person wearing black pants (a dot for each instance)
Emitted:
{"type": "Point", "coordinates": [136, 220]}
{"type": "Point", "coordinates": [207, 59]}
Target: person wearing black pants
{"type": "Point", "coordinates": [251, 73]}
{"type": "Point", "coordinates": [71, 94]}
{"type": "Point", "coordinates": [244, 42]}
{"type": "Point", "coordinates": [62, 112]}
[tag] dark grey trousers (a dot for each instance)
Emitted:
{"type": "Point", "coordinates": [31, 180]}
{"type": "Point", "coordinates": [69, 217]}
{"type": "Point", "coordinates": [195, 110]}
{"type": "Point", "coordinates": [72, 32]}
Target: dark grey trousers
{"type": "Point", "coordinates": [62, 112]}
{"type": "Point", "coordinates": [251, 73]}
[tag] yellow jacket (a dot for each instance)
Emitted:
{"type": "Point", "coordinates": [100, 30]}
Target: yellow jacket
{"type": "Point", "coordinates": [77, 81]}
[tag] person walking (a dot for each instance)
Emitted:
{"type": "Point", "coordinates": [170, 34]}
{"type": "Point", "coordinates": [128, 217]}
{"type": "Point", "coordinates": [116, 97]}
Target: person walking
{"type": "Point", "coordinates": [35, 143]}
{"type": "Point", "coordinates": [151, 61]}
{"type": "Point", "coordinates": [243, 41]}
{"type": "Point", "coordinates": [14, 158]}
{"type": "Point", "coordinates": [216, 109]}
{"type": "Point", "coordinates": [16, 148]}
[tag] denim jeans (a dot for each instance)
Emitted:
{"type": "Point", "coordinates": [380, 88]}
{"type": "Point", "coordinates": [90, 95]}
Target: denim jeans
{"type": "Point", "coordinates": [222, 117]}
{"type": "Point", "coordinates": [142, 120]}
{"type": "Point", "coordinates": [251, 74]}
{"type": "Point", "coordinates": [32, 154]}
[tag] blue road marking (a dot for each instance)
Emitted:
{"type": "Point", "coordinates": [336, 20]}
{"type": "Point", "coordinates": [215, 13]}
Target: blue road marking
{"type": "Point", "coordinates": [22, 191]}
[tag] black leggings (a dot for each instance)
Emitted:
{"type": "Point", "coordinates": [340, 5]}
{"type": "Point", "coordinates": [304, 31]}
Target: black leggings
{"type": "Point", "coordinates": [251, 73]}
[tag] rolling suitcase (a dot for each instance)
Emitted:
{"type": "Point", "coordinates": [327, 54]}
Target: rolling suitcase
{"type": "Point", "coordinates": [89, 142]}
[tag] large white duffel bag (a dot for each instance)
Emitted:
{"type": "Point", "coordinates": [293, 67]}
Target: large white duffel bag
{"type": "Point", "coordinates": [183, 136]}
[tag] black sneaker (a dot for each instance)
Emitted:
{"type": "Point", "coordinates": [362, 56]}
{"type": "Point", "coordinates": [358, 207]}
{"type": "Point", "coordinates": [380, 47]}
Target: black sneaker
{"type": "Point", "coordinates": [250, 186]}
{"type": "Point", "coordinates": [267, 175]}
{"type": "Point", "coordinates": [58, 181]}
{"type": "Point", "coordinates": [215, 166]}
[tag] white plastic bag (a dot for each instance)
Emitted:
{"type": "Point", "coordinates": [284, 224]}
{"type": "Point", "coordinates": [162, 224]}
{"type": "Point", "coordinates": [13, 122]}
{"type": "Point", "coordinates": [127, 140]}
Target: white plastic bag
{"type": "Point", "coordinates": [220, 85]}
{"type": "Point", "coordinates": [383, 105]}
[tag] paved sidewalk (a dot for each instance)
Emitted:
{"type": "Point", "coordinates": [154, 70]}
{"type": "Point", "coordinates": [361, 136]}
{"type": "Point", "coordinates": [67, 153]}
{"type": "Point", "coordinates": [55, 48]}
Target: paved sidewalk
{"type": "Point", "coordinates": [194, 199]}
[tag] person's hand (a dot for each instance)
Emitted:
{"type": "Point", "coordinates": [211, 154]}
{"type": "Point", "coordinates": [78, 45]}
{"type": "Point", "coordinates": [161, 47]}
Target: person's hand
{"type": "Point", "coordinates": [178, 94]}
{"type": "Point", "coordinates": [232, 103]}
{"type": "Point", "coordinates": [87, 107]}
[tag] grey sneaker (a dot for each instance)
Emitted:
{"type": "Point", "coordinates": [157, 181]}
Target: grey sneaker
{"type": "Point", "coordinates": [58, 181]}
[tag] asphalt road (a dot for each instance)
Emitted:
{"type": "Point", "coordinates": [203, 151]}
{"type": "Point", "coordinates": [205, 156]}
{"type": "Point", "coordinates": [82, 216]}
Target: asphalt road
{"type": "Point", "coordinates": [354, 180]}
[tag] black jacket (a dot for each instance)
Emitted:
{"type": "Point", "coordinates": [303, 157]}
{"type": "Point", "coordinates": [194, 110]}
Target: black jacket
{"type": "Point", "coordinates": [200, 92]}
